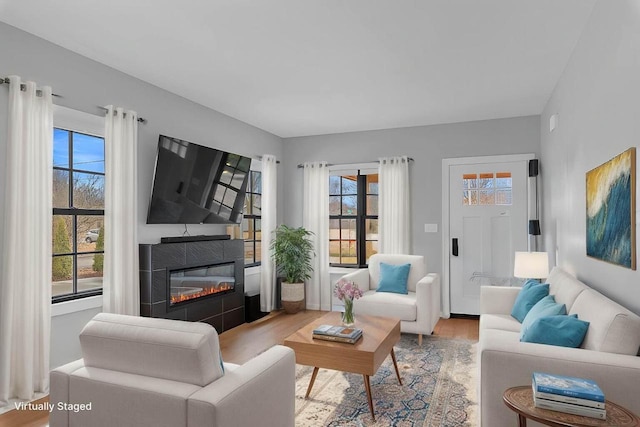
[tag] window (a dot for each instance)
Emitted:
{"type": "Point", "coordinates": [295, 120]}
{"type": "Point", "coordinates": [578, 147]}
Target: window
{"type": "Point", "coordinates": [251, 229]}
{"type": "Point", "coordinates": [353, 219]}
{"type": "Point", "coordinates": [486, 188]}
{"type": "Point", "coordinates": [78, 214]}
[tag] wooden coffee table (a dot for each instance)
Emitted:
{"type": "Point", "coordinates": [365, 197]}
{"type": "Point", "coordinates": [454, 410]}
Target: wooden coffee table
{"type": "Point", "coordinates": [379, 335]}
{"type": "Point", "coordinates": [520, 400]}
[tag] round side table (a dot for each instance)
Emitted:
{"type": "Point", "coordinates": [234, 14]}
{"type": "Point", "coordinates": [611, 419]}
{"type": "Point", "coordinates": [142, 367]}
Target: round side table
{"type": "Point", "coordinates": [520, 400]}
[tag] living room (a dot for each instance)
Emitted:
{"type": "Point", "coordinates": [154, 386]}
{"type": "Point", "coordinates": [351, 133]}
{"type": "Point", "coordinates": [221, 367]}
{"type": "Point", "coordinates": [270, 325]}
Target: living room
{"type": "Point", "coordinates": [578, 63]}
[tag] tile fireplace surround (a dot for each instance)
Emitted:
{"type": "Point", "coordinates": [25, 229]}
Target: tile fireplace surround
{"type": "Point", "coordinates": [223, 312]}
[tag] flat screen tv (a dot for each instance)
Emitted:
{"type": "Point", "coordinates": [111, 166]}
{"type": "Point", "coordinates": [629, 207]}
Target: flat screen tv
{"type": "Point", "coordinates": [194, 184]}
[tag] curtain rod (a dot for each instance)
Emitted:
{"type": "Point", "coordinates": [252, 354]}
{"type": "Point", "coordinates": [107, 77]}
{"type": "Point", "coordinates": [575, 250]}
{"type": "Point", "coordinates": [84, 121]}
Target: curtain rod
{"type": "Point", "coordinates": [340, 164]}
{"type": "Point", "coordinates": [23, 87]}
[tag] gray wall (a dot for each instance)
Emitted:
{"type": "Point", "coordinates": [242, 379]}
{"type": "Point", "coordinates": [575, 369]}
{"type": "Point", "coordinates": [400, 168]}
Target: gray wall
{"type": "Point", "coordinates": [597, 102]}
{"type": "Point", "coordinates": [85, 84]}
{"type": "Point", "coordinates": [428, 145]}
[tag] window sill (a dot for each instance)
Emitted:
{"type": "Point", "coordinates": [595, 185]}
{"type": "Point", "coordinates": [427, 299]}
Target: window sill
{"type": "Point", "coordinates": [81, 304]}
{"type": "Point", "coordinates": [342, 270]}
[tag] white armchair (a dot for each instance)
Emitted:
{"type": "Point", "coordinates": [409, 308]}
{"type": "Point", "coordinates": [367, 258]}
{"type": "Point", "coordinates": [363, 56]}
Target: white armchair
{"type": "Point", "coordinates": [418, 311]}
{"type": "Point", "coordinates": [138, 371]}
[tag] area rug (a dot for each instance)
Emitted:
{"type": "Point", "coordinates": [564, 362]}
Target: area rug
{"type": "Point", "coordinates": [439, 389]}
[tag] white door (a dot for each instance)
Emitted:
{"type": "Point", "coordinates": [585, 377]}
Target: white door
{"type": "Point", "coordinates": [488, 208]}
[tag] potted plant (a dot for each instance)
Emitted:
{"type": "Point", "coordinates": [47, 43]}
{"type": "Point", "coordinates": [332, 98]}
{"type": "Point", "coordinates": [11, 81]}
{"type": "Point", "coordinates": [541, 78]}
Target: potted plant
{"type": "Point", "coordinates": [292, 251]}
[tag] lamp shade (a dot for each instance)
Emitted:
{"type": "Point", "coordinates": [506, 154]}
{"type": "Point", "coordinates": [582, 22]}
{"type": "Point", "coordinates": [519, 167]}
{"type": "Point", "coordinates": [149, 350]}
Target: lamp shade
{"type": "Point", "coordinates": [531, 265]}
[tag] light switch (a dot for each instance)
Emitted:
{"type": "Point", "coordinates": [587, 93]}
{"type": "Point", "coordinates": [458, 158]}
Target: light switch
{"type": "Point", "coordinates": [431, 228]}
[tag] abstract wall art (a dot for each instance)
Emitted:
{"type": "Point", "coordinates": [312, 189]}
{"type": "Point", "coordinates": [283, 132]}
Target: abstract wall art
{"type": "Point", "coordinates": [611, 206]}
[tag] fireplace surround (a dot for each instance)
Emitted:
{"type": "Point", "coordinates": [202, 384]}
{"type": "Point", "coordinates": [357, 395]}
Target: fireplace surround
{"type": "Point", "coordinates": [205, 280]}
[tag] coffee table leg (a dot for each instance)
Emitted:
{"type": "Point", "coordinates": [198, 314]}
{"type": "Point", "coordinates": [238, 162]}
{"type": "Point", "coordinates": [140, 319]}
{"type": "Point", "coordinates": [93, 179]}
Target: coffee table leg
{"type": "Point", "coordinates": [395, 365]}
{"type": "Point", "coordinates": [522, 421]}
{"type": "Point", "coordinates": [313, 379]}
{"type": "Point", "coordinates": [367, 386]}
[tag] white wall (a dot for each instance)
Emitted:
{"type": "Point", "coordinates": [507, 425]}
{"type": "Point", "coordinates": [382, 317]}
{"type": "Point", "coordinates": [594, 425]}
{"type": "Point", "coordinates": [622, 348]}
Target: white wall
{"type": "Point", "coordinates": [597, 100]}
{"type": "Point", "coordinates": [427, 145]}
{"type": "Point", "coordinates": [85, 84]}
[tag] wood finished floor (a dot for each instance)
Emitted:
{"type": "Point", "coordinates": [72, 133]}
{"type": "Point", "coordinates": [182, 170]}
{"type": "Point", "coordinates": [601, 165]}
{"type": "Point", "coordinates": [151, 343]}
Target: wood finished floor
{"type": "Point", "coordinates": [242, 343]}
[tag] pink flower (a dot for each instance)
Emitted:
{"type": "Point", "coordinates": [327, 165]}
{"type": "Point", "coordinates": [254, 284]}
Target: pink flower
{"type": "Point", "coordinates": [347, 289]}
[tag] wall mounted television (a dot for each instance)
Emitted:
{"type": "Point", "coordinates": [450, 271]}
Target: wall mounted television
{"type": "Point", "coordinates": [194, 184]}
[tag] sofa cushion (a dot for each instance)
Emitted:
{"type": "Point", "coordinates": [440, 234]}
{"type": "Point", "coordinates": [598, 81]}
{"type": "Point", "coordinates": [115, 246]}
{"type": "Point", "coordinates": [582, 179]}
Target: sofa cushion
{"type": "Point", "coordinates": [564, 287]}
{"type": "Point", "coordinates": [529, 295]}
{"type": "Point", "coordinates": [386, 304]}
{"type": "Point", "coordinates": [547, 306]}
{"type": "Point", "coordinates": [560, 330]}
{"type": "Point", "coordinates": [393, 278]}
{"type": "Point", "coordinates": [418, 268]}
{"type": "Point", "coordinates": [612, 328]}
{"type": "Point", "coordinates": [170, 349]}
{"type": "Point", "coordinates": [504, 322]}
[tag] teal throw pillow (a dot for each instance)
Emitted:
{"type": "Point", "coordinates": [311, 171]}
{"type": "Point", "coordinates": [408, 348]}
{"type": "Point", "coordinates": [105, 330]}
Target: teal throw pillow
{"type": "Point", "coordinates": [529, 295]}
{"type": "Point", "coordinates": [564, 331]}
{"type": "Point", "coordinates": [393, 278]}
{"type": "Point", "coordinates": [547, 306]}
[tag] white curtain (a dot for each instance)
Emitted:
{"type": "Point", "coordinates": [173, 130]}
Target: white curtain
{"type": "Point", "coordinates": [121, 289]}
{"type": "Point", "coordinates": [268, 223]}
{"type": "Point", "coordinates": [394, 219]}
{"type": "Point", "coordinates": [25, 287]}
{"type": "Point", "coordinates": [315, 213]}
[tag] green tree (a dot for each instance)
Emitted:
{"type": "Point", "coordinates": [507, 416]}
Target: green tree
{"type": "Point", "coordinates": [62, 268]}
{"type": "Point", "coordinates": [98, 259]}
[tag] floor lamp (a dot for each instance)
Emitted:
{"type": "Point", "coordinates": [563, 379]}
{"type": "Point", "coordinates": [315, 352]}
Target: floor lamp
{"type": "Point", "coordinates": [531, 265]}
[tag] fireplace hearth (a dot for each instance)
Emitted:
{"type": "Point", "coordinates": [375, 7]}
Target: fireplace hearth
{"type": "Point", "coordinates": [195, 281]}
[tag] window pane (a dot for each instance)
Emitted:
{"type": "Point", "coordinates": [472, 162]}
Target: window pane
{"type": "Point", "coordinates": [334, 205]}
{"type": "Point", "coordinates": [469, 180]}
{"type": "Point", "coordinates": [61, 148]}
{"type": "Point", "coordinates": [247, 210]}
{"type": "Point", "coordinates": [372, 184]}
{"type": "Point", "coordinates": [88, 190]}
{"type": "Point", "coordinates": [348, 229]}
{"type": "Point", "coordinates": [470, 197]}
{"type": "Point", "coordinates": [257, 204]}
{"type": "Point", "coordinates": [226, 175]}
{"type": "Point", "coordinates": [89, 229]}
{"type": "Point", "coordinates": [348, 252]}
{"type": "Point", "coordinates": [256, 182]}
{"type": "Point", "coordinates": [88, 152]}
{"type": "Point", "coordinates": [372, 205]}
{"type": "Point", "coordinates": [232, 160]}
{"type": "Point", "coordinates": [258, 254]}
{"type": "Point", "coordinates": [334, 185]}
{"type": "Point", "coordinates": [248, 252]}
{"type": "Point", "coordinates": [62, 234]}
{"type": "Point", "coordinates": [90, 268]}
{"type": "Point", "coordinates": [503, 197]}
{"type": "Point", "coordinates": [60, 189]}
{"type": "Point", "coordinates": [238, 179]}
{"type": "Point", "coordinates": [503, 179]}
{"type": "Point", "coordinates": [244, 164]}
{"type": "Point", "coordinates": [372, 248]}
{"type": "Point", "coordinates": [62, 275]}
{"type": "Point", "coordinates": [334, 229]}
{"type": "Point", "coordinates": [229, 197]}
{"type": "Point", "coordinates": [486, 180]}
{"type": "Point", "coordinates": [371, 232]}
{"type": "Point", "coordinates": [245, 228]}
{"type": "Point", "coordinates": [334, 251]}
{"type": "Point", "coordinates": [486, 197]}
{"type": "Point", "coordinates": [349, 185]}
{"type": "Point", "coordinates": [349, 205]}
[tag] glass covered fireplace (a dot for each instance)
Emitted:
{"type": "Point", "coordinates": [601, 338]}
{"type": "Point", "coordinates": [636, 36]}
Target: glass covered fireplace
{"type": "Point", "coordinates": [189, 284]}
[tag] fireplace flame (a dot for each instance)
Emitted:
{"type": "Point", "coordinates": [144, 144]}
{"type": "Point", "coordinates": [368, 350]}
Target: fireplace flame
{"type": "Point", "coordinates": [221, 287]}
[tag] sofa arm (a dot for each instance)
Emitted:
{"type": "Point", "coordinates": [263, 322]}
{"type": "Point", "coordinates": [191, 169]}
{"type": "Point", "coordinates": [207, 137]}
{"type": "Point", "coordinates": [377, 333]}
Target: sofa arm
{"type": "Point", "coordinates": [497, 299]}
{"type": "Point", "coordinates": [260, 392]}
{"type": "Point", "coordinates": [59, 391]}
{"type": "Point", "coordinates": [505, 362]}
{"type": "Point", "coordinates": [360, 277]}
{"type": "Point", "coordinates": [428, 303]}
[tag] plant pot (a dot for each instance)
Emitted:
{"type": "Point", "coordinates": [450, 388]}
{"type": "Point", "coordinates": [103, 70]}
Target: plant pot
{"type": "Point", "coordinates": [292, 297]}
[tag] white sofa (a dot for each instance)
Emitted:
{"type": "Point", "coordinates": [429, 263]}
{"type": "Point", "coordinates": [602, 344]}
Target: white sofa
{"type": "Point", "coordinates": [141, 372]}
{"type": "Point", "coordinates": [418, 311]}
{"type": "Point", "coordinates": [608, 354]}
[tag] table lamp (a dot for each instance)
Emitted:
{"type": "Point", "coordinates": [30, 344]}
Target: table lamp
{"type": "Point", "coordinates": [531, 265]}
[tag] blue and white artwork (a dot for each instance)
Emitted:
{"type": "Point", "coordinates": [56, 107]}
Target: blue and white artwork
{"type": "Point", "coordinates": [610, 210]}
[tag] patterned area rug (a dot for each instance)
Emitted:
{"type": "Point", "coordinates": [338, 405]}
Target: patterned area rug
{"type": "Point", "coordinates": [439, 389]}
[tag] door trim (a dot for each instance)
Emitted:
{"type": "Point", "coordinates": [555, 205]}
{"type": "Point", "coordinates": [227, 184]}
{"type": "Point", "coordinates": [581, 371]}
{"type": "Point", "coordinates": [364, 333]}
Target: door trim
{"type": "Point", "coordinates": [446, 237]}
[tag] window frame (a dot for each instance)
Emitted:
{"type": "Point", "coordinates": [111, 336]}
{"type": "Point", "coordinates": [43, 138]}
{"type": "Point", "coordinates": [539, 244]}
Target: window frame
{"type": "Point", "coordinates": [361, 218]}
{"type": "Point", "coordinates": [76, 122]}
{"type": "Point", "coordinates": [252, 217]}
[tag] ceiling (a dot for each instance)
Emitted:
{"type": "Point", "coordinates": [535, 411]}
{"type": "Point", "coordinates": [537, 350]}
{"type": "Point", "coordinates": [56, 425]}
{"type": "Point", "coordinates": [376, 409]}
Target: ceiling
{"type": "Point", "coordinates": [309, 67]}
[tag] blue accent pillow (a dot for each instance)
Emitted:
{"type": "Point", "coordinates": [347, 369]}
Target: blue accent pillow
{"type": "Point", "coordinates": [529, 295]}
{"type": "Point", "coordinates": [547, 306]}
{"type": "Point", "coordinates": [564, 331]}
{"type": "Point", "coordinates": [393, 278]}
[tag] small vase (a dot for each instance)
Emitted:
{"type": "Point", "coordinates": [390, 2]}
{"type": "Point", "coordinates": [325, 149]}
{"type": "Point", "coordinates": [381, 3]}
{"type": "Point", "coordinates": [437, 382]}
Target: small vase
{"type": "Point", "coordinates": [347, 316]}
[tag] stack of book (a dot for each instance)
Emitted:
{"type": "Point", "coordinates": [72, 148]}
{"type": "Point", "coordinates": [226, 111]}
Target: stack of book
{"type": "Point", "coordinates": [571, 395]}
{"type": "Point", "coordinates": [337, 333]}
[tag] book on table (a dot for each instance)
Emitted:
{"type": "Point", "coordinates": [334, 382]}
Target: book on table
{"type": "Point", "coordinates": [570, 408]}
{"type": "Point", "coordinates": [559, 385]}
{"type": "Point", "coordinates": [337, 333]}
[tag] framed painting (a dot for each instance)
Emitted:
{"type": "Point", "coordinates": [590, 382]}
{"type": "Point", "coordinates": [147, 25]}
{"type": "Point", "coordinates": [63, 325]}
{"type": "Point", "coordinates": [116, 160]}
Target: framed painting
{"type": "Point", "coordinates": [611, 206]}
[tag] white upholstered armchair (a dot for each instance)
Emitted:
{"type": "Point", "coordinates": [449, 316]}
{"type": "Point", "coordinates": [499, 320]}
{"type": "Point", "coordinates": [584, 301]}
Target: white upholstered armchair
{"type": "Point", "coordinates": [138, 371]}
{"type": "Point", "coordinates": [418, 310]}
